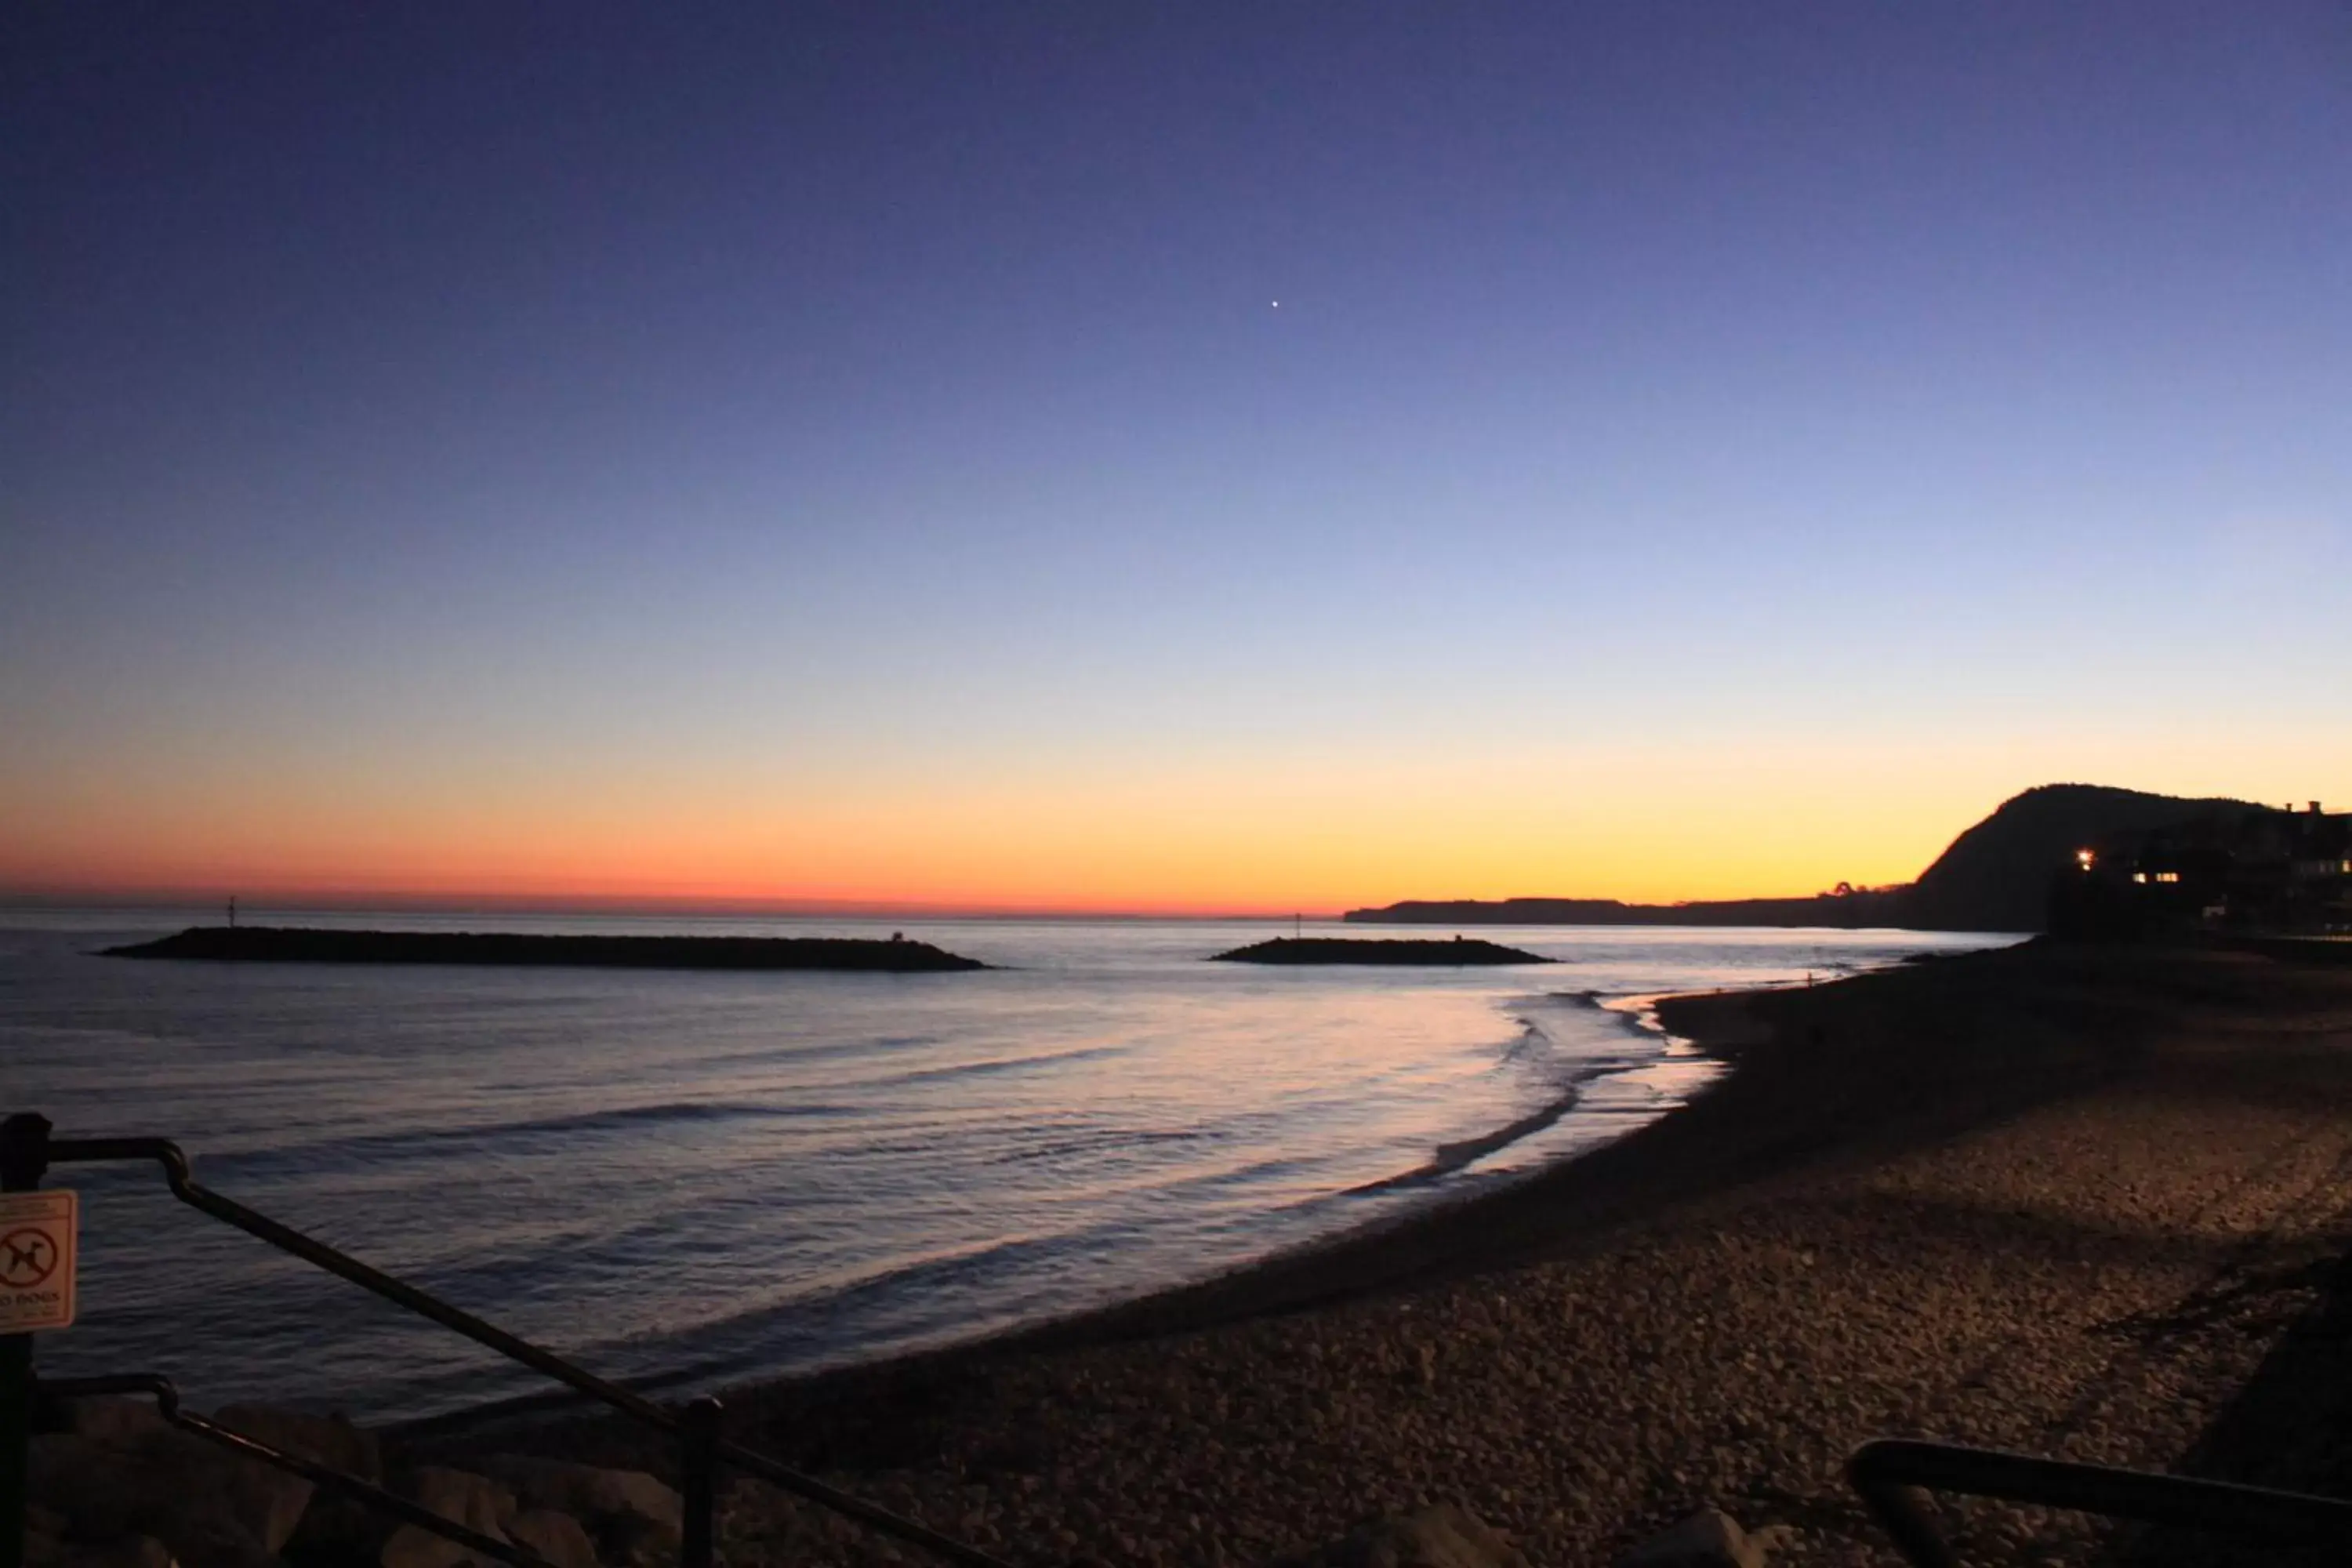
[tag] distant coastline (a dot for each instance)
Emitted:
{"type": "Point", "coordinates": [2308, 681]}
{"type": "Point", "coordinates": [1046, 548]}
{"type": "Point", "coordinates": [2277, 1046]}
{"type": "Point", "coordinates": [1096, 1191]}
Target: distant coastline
{"type": "Point", "coordinates": [295, 944]}
{"type": "Point", "coordinates": [1850, 911]}
{"type": "Point", "coordinates": [1995, 876]}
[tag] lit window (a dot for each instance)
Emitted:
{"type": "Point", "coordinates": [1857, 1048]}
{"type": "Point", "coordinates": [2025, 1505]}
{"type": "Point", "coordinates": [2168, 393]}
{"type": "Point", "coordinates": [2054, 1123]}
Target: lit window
{"type": "Point", "coordinates": [2139, 876]}
{"type": "Point", "coordinates": [2168, 876]}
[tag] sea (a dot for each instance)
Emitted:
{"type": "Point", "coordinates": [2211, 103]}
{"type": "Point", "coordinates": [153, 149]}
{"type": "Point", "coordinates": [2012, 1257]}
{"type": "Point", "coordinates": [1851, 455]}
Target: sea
{"type": "Point", "coordinates": [688, 1180]}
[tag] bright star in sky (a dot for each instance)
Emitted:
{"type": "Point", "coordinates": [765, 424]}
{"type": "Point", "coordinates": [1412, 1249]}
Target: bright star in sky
{"type": "Point", "coordinates": [673, 553]}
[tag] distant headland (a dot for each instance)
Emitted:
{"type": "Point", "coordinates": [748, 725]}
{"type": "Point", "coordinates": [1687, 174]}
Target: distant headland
{"type": "Point", "coordinates": [1349, 949]}
{"type": "Point", "coordinates": [291, 945]}
{"type": "Point", "coordinates": [1994, 877]}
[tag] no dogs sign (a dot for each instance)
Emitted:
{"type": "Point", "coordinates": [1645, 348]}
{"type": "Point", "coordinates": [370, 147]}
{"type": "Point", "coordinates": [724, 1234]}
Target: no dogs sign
{"type": "Point", "coordinates": [36, 1260]}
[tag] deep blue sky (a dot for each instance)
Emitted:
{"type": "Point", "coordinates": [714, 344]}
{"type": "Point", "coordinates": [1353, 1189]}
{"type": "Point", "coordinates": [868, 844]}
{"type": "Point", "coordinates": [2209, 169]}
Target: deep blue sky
{"type": "Point", "coordinates": [422, 420]}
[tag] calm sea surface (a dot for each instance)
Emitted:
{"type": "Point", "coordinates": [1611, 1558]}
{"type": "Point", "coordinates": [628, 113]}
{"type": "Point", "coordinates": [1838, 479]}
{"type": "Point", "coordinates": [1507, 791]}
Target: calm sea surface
{"type": "Point", "coordinates": [707, 1178]}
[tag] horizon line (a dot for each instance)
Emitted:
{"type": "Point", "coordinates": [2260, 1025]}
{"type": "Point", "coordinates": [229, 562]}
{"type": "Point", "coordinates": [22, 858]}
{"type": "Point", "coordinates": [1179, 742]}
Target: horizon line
{"type": "Point", "coordinates": [677, 905]}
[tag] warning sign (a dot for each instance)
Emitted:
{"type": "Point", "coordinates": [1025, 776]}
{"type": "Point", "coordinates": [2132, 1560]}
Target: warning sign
{"type": "Point", "coordinates": [36, 1260]}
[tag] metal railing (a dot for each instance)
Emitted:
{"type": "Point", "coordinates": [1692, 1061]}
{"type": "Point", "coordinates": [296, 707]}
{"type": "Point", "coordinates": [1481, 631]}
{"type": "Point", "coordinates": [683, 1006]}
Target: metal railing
{"type": "Point", "coordinates": [1887, 1471]}
{"type": "Point", "coordinates": [167, 1404]}
{"type": "Point", "coordinates": [27, 1151]}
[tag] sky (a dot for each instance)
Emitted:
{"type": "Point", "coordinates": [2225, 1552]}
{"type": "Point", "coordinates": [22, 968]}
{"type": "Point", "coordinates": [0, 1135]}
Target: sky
{"type": "Point", "coordinates": [1208, 458]}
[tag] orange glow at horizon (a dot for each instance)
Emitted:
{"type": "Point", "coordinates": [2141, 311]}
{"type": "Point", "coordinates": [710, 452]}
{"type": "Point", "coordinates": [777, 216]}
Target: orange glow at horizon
{"type": "Point", "coordinates": [1656, 825]}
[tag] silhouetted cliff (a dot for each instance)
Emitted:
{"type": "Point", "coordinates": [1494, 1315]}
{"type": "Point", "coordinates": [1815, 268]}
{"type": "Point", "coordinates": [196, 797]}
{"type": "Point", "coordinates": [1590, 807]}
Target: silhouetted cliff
{"type": "Point", "coordinates": [1994, 877]}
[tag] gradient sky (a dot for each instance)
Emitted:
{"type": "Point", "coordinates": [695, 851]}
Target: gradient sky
{"type": "Point", "coordinates": [854, 451]}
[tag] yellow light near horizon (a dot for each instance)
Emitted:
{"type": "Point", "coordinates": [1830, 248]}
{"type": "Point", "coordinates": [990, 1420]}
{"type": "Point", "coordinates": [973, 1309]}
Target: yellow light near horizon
{"type": "Point", "coordinates": [1275, 848]}
{"type": "Point", "coordinates": [1266, 831]}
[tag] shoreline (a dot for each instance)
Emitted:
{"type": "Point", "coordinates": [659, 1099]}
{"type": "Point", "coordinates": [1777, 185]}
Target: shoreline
{"type": "Point", "coordinates": [1381, 1254]}
{"type": "Point", "coordinates": [2064, 1200]}
{"type": "Point", "coordinates": [1429, 1241]}
{"type": "Point", "coordinates": [1662, 1163]}
{"type": "Point", "coordinates": [1716, 1028]}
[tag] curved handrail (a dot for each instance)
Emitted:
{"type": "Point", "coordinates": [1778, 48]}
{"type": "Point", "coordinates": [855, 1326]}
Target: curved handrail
{"type": "Point", "coordinates": [1884, 1469]}
{"type": "Point", "coordinates": [180, 1176]}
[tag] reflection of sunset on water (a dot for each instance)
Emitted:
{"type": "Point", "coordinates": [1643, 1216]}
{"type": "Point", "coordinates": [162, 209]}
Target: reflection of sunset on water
{"type": "Point", "coordinates": [777, 1169]}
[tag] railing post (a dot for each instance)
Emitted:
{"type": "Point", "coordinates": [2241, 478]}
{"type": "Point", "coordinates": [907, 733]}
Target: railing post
{"type": "Point", "coordinates": [23, 1161]}
{"type": "Point", "coordinates": [698, 1430]}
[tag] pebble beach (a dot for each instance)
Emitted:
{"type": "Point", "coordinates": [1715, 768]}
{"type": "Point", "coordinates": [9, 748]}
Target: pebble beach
{"type": "Point", "coordinates": [2070, 1201]}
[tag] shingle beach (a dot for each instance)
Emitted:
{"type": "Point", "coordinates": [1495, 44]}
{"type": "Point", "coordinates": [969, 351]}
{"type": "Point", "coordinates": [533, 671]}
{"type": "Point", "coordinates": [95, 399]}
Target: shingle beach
{"type": "Point", "coordinates": [2068, 1201]}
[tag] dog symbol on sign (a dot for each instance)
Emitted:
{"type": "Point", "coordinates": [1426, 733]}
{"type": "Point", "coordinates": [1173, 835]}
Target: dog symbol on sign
{"type": "Point", "coordinates": [27, 1259]}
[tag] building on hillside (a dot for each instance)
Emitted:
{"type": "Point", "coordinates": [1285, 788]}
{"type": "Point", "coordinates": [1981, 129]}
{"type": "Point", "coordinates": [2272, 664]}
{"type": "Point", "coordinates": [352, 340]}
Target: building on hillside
{"type": "Point", "coordinates": [2250, 871]}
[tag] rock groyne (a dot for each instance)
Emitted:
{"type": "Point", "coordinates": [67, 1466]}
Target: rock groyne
{"type": "Point", "coordinates": [1405, 952]}
{"type": "Point", "coordinates": [297, 944]}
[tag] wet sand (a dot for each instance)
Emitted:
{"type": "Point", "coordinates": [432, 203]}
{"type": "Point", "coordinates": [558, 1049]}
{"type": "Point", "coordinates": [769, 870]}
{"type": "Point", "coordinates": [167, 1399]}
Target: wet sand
{"type": "Point", "coordinates": [2063, 1200]}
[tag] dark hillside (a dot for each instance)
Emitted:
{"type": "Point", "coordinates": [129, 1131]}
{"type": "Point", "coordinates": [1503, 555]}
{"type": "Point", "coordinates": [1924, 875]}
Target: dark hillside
{"type": "Point", "coordinates": [1996, 876]}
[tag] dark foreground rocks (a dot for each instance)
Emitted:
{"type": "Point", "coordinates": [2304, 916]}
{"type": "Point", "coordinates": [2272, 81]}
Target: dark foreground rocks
{"type": "Point", "coordinates": [119, 1487]}
{"type": "Point", "coordinates": [1446, 1536]}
